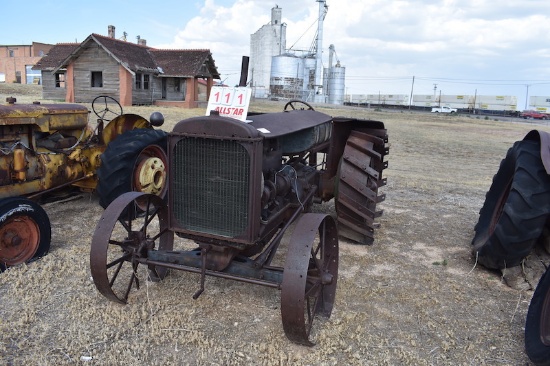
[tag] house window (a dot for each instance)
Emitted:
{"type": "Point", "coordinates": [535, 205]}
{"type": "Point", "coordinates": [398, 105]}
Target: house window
{"type": "Point", "coordinates": [138, 80]}
{"type": "Point", "coordinates": [97, 79]}
{"type": "Point", "coordinates": [146, 81]}
{"type": "Point", "coordinates": [177, 84]}
{"type": "Point", "coordinates": [11, 53]}
{"type": "Point", "coordinates": [33, 76]}
{"type": "Point", "coordinates": [60, 80]}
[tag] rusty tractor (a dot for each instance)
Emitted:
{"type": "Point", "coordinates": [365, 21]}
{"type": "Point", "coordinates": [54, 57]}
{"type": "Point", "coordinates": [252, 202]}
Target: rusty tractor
{"type": "Point", "coordinates": [234, 190]}
{"type": "Point", "coordinates": [511, 222]}
{"type": "Point", "coordinates": [48, 146]}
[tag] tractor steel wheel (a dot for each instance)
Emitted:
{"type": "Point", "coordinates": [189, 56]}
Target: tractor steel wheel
{"type": "Point", "coordinates": [25, 231]}
{"type": "Point", "coordinates": [537, 324]}
{"type": "Point", "coordinates": [358, 180]}
{"type": "Point", "coordinates": [310, 275]}
{"type": "Point", "coordinates": [120, 240]}
{"type": "Point", "coordinates": [515, 209]}
{"type": "Point", "coordinates": [134, 161]}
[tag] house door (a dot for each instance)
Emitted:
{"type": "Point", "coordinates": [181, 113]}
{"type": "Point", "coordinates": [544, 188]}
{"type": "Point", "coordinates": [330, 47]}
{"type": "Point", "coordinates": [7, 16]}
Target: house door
{"type": "Point", "coordinates": [163, 88]}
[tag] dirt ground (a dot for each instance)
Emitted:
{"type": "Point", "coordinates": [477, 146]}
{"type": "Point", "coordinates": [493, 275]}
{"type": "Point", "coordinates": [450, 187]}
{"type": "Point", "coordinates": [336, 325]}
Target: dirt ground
{"type": "Point", "coordinates": [415, 297]}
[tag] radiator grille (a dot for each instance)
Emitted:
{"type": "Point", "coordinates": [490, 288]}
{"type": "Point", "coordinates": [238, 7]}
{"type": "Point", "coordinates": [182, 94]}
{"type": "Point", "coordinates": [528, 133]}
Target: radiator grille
{"type": "Point", "coordinates": [210, 186]}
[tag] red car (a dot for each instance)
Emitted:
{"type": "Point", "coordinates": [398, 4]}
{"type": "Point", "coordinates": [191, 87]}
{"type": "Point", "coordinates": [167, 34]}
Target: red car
{"type": "Point", "coordinates": [534, 115]}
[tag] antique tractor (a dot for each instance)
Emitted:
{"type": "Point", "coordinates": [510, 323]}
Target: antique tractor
{"type": "Point", "coordinates": [511, 222]}
{"type": "Point", "coordinates": [44, 147]}
{"type": "Point", "coordinates": [234, 190]}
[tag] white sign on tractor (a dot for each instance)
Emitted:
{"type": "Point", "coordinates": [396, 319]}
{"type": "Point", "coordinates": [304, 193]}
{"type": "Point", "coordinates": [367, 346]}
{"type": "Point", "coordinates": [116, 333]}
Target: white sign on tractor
{"type": "Point", "coordinates": [229, 101]}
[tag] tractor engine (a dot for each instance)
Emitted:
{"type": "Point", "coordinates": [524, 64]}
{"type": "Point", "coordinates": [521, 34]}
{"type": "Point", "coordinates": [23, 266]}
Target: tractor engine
{"type": "Point", "coordinates": [40, 147]}
{"type": "Point", "coordinates": [285, 182]}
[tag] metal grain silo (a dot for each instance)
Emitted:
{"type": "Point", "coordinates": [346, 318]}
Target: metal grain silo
{"type": "Point", "coordinates": [287, 76]}
{"type": "Point", "coordinates": [335, 84]}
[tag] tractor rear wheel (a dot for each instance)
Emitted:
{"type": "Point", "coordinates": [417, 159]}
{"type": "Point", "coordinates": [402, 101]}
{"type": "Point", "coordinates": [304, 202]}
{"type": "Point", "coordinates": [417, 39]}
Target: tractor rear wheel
{"type": "Point", "coordinates": [537, 324]}
{"type": "Point", "coordinates": [358, 179]}
{"type": "Point", "coordinates": [515, 209]}
{"type": "Point", "coordinates": [134, 161]}
{"type": "Point", "coordinates": [25, 231]}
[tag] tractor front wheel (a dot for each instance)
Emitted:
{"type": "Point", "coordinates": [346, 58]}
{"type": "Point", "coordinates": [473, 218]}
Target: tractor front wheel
{"type": "Point", "coordinates": [515, 209]}
{"type": "Point", "coordinates": [135, 161]}
{"type": "Point", "coordinates": [25, 231]}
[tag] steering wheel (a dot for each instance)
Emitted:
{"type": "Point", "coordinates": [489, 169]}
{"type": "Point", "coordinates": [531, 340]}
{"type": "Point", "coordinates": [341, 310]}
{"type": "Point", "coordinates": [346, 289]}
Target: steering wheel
{"type": "Point", "coordinates": [294, 102]}
{"type": "Point", "coordinates": [106, 106]}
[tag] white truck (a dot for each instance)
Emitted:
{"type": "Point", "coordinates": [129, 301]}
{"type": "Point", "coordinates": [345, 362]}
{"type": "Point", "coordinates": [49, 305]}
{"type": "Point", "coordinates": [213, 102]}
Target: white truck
{"type": "Point", "coordinates": [444, 110]}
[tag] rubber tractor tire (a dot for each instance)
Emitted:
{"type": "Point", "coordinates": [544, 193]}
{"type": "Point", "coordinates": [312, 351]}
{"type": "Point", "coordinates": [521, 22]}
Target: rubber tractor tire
{"type": "Point", "coordinates": [25, 232]}
{"type": "Point", "coordinates": [537, 324]}
{"type": "Point", "coordinates": [515, 210]}
{"type": "Point", "coordinates": [135, 151]}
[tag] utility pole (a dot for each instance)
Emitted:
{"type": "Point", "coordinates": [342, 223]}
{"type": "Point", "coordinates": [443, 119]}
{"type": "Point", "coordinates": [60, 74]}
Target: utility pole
{"type": "Point", "coordinates": [526, 96]}
{"type": "Point", "coordinates": [411, 98]}
{"type": "Point", "coordinates": [435, 89]}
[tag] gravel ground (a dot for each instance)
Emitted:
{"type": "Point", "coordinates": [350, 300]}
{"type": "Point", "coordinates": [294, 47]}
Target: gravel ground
{"type": "Point", "coordinates": [415, 297]}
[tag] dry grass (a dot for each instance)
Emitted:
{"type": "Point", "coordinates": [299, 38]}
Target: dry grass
{"type": "Point", "coordinates": [411, 298]}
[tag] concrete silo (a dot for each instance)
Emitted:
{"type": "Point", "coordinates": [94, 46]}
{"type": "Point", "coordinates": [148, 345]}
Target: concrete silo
{"type": "Point", "coordinates": [268, 41]}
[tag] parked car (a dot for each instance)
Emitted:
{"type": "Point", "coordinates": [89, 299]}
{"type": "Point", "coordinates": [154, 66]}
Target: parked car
{"type": "Point", "coordinates": [444, 109]}
{"type": "Point", "coordinates": [534, 115]}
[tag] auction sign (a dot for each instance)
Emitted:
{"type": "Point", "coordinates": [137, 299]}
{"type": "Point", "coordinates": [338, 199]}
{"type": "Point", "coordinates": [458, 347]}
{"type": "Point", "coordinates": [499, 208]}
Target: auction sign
{"type": "Point", "coordinates": [229, 101]}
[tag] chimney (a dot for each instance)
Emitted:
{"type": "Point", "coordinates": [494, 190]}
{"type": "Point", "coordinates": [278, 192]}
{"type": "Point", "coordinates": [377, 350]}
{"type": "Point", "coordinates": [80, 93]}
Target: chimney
{"type": "Point", "coordinates": [111, 31]}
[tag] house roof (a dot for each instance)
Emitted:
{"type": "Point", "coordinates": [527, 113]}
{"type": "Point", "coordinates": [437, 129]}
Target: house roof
{"type": "Point", "coordinates": [136, 58]}
{"type": "Point", "coordinates": [55, 56]}
{"type": "Point", "coordinates": [185, 63]}
{"type": "Point", "coordinates": [132, 56]}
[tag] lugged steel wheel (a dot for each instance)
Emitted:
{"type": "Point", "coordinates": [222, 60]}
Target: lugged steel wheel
{"type": "Point", "coordinates": [122, 237]}
{"type": "Point", "coordinates": [358, 180]}
{"type": "Point", "coordinates": [537, 324]}
{"type": "Point", "coordinates": [515, 210]}
{"type": "Point", "coordinates": [310, 275]}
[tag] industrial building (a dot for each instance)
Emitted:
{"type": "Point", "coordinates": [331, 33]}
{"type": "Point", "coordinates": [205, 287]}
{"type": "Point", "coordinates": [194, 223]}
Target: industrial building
{"type": "Point", "coordinates": [280, 73]}
{"type": "Point", "coordinates": [16, 62]}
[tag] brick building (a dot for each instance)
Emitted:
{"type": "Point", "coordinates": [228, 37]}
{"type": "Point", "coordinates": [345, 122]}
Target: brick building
{"type": "Point", "coordinates": [16, 62]}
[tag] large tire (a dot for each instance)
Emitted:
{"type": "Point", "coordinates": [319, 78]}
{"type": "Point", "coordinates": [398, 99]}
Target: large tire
{"type": "Point", "coordinates": [25, 232]}
{"type": "Point", "coordinates": [515, 209]}
{"type": "Point", "coordinates": [537, 324]}
{"type": "Point", "coordinates": [116, 174]}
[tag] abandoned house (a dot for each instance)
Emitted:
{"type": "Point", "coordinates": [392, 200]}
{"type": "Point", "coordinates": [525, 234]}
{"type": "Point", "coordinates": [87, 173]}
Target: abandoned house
{"type": "Point", "coordinates": [132, 73]}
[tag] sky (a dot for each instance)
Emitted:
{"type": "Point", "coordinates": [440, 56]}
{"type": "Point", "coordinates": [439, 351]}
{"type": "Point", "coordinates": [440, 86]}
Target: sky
{"type": "Point", "coordinates": [451, 47]}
